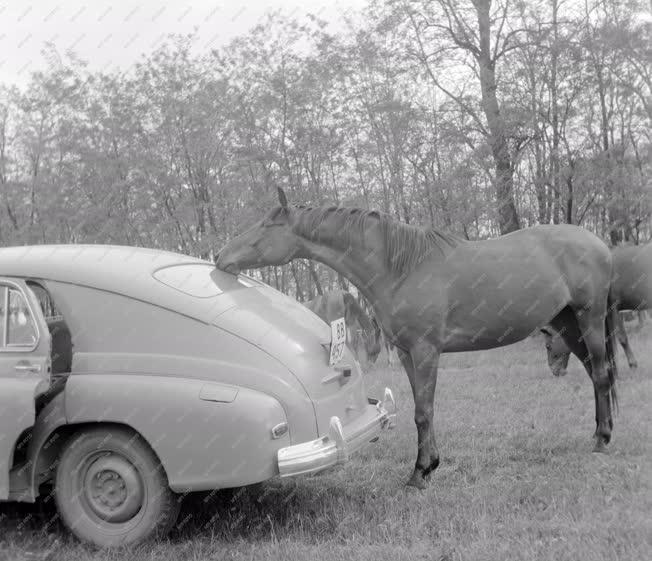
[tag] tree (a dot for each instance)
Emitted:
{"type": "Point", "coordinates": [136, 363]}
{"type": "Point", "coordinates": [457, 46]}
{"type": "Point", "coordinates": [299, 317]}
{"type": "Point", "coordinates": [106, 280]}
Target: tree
{"type": "Point", "coordinates": [470, 31]}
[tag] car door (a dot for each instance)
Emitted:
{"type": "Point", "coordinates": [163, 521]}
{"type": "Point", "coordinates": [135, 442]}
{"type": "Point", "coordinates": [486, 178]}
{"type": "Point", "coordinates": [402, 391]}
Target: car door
{"type": "Point", "coordinates": [24, 367]}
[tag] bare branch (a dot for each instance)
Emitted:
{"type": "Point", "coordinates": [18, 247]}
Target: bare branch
{"type": "Point", "coordinates": [499, 32]}
{"type": "Point", "coordinates": [424, 60]}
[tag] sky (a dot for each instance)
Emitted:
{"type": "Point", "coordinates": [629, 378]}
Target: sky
{"type": "Point", "coordinates": [113, 34]}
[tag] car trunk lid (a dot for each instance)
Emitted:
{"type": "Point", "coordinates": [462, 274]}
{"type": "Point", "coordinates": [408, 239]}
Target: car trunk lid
{"type": "Point", "coordinates": [299, 339]}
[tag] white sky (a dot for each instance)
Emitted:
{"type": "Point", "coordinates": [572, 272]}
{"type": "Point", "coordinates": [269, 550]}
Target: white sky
{"type": "Point", "coordinates": [110, 34]}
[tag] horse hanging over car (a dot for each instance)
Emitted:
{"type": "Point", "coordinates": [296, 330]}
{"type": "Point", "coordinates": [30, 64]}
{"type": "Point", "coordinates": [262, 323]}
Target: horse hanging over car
{"type": "Point", "coordinates": [632, 290]}
{"type": "Point", "coordinates": [363, 333]}
{"type": "Point", "coordinates": [433, 292]}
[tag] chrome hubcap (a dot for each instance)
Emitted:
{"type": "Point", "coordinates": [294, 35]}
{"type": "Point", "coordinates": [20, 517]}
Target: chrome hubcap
{"type": "Point", "coordinates": [113, 488]}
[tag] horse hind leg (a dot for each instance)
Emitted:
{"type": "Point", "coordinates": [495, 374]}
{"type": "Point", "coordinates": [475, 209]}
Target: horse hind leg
{"type": "Point", "coordinates": [584, 333]}
{"type": "Point", "coordinates": [621, 334]}
{"type": "Point", "coordinates": [421, 367]}
{"type": "Point", "coordinates": [593, 332]}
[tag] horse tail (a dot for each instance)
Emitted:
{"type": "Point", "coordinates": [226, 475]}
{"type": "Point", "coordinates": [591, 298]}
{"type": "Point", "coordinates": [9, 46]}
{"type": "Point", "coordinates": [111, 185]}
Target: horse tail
{"type": "Point", "coordinates": [611, 323]}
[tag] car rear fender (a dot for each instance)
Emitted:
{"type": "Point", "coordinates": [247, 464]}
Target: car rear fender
{"type": "Point", "coordinates": [207, 435]}
{"type": "Point", "coordinates": [46, 440]}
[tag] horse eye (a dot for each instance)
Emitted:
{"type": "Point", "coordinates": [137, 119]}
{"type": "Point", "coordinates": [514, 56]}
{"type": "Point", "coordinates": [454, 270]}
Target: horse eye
{"type": "Point", "coordinates": [548, 346]}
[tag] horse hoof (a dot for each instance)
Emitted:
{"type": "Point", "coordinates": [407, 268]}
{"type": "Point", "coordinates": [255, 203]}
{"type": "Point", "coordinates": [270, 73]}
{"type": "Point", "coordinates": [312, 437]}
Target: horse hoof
{"type": "Point", "coordinates": [417, 481]}
{"type": "Point", "coordinates": [633, 365]}
{"type": "Point", "coordinates": [600, 446]}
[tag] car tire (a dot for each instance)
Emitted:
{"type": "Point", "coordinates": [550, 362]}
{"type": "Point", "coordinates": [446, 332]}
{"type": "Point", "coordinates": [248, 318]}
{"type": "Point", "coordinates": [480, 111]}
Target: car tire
{"type": "Point", "coordinates": [111, 489]}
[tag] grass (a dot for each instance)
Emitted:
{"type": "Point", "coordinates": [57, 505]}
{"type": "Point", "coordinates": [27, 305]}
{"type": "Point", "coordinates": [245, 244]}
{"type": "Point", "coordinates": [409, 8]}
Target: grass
{"type": "Point", "coordinates": [517, 481]}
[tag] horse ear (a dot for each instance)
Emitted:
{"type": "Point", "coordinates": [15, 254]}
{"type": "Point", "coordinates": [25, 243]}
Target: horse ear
{"type": "Point", "coordinates": [282, 198]}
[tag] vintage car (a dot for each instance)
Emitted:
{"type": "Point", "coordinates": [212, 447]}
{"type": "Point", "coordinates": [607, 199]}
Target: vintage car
{"type": "Point", "coordinates": [130, 375]}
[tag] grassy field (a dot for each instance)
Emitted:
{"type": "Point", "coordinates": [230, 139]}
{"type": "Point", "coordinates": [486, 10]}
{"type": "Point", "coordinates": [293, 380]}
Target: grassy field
{"type": "Point", "coordinates": [517, 481]}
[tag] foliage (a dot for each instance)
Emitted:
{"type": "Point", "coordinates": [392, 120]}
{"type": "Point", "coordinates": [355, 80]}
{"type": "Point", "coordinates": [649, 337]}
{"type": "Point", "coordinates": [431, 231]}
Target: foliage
{"type": "Point", "coordinates": [185, 149]}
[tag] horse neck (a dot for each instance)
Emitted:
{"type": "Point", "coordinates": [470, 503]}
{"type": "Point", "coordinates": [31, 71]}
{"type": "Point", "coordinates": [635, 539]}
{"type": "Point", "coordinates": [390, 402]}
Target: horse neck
{"type": "Point", "coordinates": [364, 267]}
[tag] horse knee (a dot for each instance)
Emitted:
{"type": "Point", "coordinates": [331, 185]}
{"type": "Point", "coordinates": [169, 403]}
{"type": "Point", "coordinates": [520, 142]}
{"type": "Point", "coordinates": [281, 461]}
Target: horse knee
{"type": "Point", "coordinates": [601, 381]}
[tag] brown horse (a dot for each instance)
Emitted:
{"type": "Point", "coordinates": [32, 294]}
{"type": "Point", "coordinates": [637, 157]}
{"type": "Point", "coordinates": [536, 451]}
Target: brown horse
{"type": "Point", "coordinates": [433, 292]}
{"type": "Point", "coordinates": [362, 332]}
{"type": "Point", "coordinates": [632, 290]}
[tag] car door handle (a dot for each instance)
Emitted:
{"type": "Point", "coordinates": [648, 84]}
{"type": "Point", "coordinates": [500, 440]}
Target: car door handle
{"type": "Point", "coordinates": [28, 367]}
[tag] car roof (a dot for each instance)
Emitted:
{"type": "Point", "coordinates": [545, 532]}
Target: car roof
{"type": "Point", "coordinates": [123, 270]}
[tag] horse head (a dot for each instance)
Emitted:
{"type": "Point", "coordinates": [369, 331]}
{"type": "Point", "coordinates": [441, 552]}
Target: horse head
{"type": "Point", "coordinates": [558, 352]}
{"type": "Point", "coordinates": [269, 241]}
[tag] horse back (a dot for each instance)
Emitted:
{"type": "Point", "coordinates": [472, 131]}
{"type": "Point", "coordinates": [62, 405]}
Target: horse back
{"type": "Point", "coordinates": [494, 292]}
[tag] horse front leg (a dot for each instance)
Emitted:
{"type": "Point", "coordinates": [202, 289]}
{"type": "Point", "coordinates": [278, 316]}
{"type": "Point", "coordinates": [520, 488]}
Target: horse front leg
{"type": "Point", "coordinates": [421, 367]}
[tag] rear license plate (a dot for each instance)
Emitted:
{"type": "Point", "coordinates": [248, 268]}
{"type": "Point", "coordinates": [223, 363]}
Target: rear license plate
{"type": "Point", "coordinates": [338, 341]}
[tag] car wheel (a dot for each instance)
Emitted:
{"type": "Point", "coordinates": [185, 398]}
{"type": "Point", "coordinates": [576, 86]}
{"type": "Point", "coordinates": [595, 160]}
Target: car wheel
{"type": "Point", "coordinates": [111, 489]}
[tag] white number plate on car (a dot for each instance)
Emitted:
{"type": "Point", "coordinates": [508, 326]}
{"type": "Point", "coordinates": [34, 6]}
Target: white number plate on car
{"type": "Point", "coordinates": [338, 340]}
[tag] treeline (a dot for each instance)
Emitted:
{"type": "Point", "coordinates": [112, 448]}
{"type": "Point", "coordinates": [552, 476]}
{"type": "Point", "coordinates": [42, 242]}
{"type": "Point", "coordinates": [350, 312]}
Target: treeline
{"type": "Point", "coordinates": [474, 116]}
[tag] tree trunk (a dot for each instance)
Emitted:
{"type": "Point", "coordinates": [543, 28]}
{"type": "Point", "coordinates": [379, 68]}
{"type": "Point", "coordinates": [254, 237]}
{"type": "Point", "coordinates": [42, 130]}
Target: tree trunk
{"type": "Point", "coordinates": [297, 282]}
{"type": "Point", "coordinates": [507, 215]}
{"type": "Point", "coordinates": [554, 156]}
{"type": "Point", "coordinates": [315, 278]}
{"type": "Point", "coordinates": [569, 200]}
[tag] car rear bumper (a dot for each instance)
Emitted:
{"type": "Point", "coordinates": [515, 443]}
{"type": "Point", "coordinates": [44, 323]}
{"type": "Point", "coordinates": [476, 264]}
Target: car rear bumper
{"type": "Point", "coordinates": [335, 448]}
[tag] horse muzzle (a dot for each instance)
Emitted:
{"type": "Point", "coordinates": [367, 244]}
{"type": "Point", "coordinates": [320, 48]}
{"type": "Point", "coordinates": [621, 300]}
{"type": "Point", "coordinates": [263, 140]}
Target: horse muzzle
{"type": "Point", "coordinates": [230, 268]}
{"type": "Point", "coordinates": [225, 266]}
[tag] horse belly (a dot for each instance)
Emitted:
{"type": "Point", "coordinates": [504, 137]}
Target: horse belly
{"type": "Point", "coordinates": [476, 336]}
{"type": "Point", "coordinates": [501, 308]}
{"type": "Point", "coordinates": [634, 293]}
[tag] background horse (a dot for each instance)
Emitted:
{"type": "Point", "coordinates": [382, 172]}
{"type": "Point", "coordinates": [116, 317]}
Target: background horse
{"type": "Point", "coordinates": [433, 292]}
{"type": "Point", "coordinates": [362, 332]}
{"type": "Point", "coordinates": [632, 290]}
{"type": "Point", "coordinates": [385, 342]}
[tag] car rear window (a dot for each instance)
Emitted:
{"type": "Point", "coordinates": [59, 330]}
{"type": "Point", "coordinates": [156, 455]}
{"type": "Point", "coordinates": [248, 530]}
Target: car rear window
{"type": "Point", "coordinates": [194, 279]}
{"type": "Point", "coordinates": [249, 282]}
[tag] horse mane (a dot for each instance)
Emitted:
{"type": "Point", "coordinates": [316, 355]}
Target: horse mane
{"type": "Point", "coordinates": [405, 245]}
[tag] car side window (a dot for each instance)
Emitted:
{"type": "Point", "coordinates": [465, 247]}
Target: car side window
{"type": "Point", "coordinates": [19, 325]}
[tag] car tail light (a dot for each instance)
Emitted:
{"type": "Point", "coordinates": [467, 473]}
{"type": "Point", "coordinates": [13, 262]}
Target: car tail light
{"type": "Point", "coordinates": [279, 430]}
